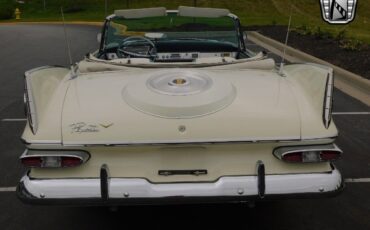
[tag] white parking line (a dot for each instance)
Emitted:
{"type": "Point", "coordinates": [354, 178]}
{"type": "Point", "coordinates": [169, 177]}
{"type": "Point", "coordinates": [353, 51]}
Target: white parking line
{"type": "Point", "coordinates": [351, 113]}
{"type": "Point", "coordinates": [14, 119]}
{"type": "Point", "coordinates": [8, 189]}
{"type": "Point", "coordinates": [357, 180]}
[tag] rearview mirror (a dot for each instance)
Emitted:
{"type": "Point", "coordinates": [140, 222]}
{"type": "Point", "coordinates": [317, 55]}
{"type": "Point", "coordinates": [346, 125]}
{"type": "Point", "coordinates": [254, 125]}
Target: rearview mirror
{"type": "Point", "coordinates": [154, 35]}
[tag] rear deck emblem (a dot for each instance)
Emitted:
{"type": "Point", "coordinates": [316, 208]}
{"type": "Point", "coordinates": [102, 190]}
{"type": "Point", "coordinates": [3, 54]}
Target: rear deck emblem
{"type": "Point", "coordinates": [82, 127]}
{"type": "Point", "coordinates": [338, 11]}
{"type": "Point", "coordinates": [106, 126]}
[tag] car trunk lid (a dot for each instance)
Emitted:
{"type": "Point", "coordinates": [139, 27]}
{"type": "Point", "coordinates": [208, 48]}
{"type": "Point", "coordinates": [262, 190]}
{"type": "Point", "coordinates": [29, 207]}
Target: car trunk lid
{"type": "Point", "coordinates": [259, 107]}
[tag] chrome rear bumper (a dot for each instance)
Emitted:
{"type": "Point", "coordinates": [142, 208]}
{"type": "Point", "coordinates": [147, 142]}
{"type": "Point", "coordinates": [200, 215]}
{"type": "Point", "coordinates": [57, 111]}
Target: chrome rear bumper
{"type": "Point", "coordinates": [135, 191]}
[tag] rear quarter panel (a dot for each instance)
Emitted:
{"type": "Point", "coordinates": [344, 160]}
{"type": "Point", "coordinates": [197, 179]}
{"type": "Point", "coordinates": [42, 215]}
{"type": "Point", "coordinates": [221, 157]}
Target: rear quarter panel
{"type": "Point", "coordinates": [46, 89]}
{"type": "Point", "coordinates": [308, 83]}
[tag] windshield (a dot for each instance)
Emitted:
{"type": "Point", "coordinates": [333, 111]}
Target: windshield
{"type": "Point", "coordinates": [194, 33]}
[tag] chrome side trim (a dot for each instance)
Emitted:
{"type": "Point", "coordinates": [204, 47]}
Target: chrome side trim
{"type": "Point", "coordinates": [191, 141]}
{"type": "Point", "coordinates": [30, 105]}
{"type": "Point", "coordinates": [52, 143]}
{"type": "Point", "coordinates": [328, 100]}
{"type": "Point", "coordinates": [127, 188]}
{"type": "Point", "coordinates": [198, 141]}
{"type": "Point", "coordinates": [41, 142]}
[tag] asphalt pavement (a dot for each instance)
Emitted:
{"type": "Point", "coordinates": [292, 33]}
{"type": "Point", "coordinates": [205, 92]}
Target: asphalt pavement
{"type": "Point", "coordinates": [23, 47]}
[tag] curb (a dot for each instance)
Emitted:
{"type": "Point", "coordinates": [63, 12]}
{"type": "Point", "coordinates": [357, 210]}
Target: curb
{"type": "Point", "coordinates": [346, 77]}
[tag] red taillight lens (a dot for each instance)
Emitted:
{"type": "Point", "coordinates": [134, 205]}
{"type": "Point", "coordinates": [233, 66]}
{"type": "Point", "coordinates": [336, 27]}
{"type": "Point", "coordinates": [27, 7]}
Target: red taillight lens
{"type": "Point", "coordinates": [311, 156]}
{"type": "Point", "coordinates": [293, 157]}
{"type": "Point", "coordinates": [53, 158]}
{"type": "Point", "coordinates": [308, 154]}
{"type": "Point", "coordinates": [330, 155]}
{"type": "Point", "coordinates": [32, 161]}
{"type": "Point", "coordinates": [70, 161]}
{"type": "Point", "coordinates": [51, 161]}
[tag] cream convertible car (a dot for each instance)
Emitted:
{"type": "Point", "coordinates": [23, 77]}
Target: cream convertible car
{"type": "Point", "coordinates": [174, 108]}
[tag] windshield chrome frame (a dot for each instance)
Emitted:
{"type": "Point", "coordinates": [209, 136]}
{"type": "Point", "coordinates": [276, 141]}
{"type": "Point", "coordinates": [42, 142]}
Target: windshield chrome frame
{"type": "Point", "coordinates": [237, 24]}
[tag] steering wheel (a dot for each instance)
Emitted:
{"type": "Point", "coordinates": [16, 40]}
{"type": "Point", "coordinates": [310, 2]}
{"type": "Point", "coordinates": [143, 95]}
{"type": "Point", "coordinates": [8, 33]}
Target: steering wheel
{"type": "Point", "coordinates": [126, 43]}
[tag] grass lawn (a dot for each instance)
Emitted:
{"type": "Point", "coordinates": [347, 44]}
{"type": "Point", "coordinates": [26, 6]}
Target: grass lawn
{"type": "Point", "coordinates": [305, 13]}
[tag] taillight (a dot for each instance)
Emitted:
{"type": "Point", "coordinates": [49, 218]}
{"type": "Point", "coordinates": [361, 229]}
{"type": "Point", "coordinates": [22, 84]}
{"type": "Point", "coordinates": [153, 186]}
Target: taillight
{"type": "Point", "coordinates": [53, 159]}
{"type": "Point", "coordinates": [293, 157]}
{"type": "Point", "coordinates": [32, 161]}
{"type": "Point", "coordinates": [70, 161]}
{"type": "Point", "coordinates": [308, 154]}
{"type": "Point", "coordinates": [330, 155]}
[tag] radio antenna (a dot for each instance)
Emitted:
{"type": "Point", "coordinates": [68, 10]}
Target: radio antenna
{"type": "Point", "coordinates": [286, 41]}
{"type": "Point", "coordinates": [67, 44]}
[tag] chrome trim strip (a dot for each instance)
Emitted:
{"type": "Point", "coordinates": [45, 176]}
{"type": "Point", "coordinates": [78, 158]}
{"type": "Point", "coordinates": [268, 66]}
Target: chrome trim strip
{"type": "Point", "coordinates": [191, 141]}
{"type": "Point", "coordinates": [328, 100]}
{"type": "Point", "coordinates": [118, 144]}
{"type": "Point", "coordinates": [200, 141]}
{"type": "Point", "coordinates": [176, 65]}
{"type": "Point", "coordinates": [140, 188]}
{"type": "Point", "coordinates": [231, 15]}
{"type": "Point", "coordinates": [42, 142]}
{"type": "Point", "coordinates": [320, 137]}
{"type": "Point", "coordinates": [30, 105]}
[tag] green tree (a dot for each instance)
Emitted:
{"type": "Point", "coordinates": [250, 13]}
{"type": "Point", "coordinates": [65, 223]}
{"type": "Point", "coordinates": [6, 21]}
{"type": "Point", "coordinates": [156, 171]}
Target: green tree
{"type": "Point", "coordinates": [7, 8]}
